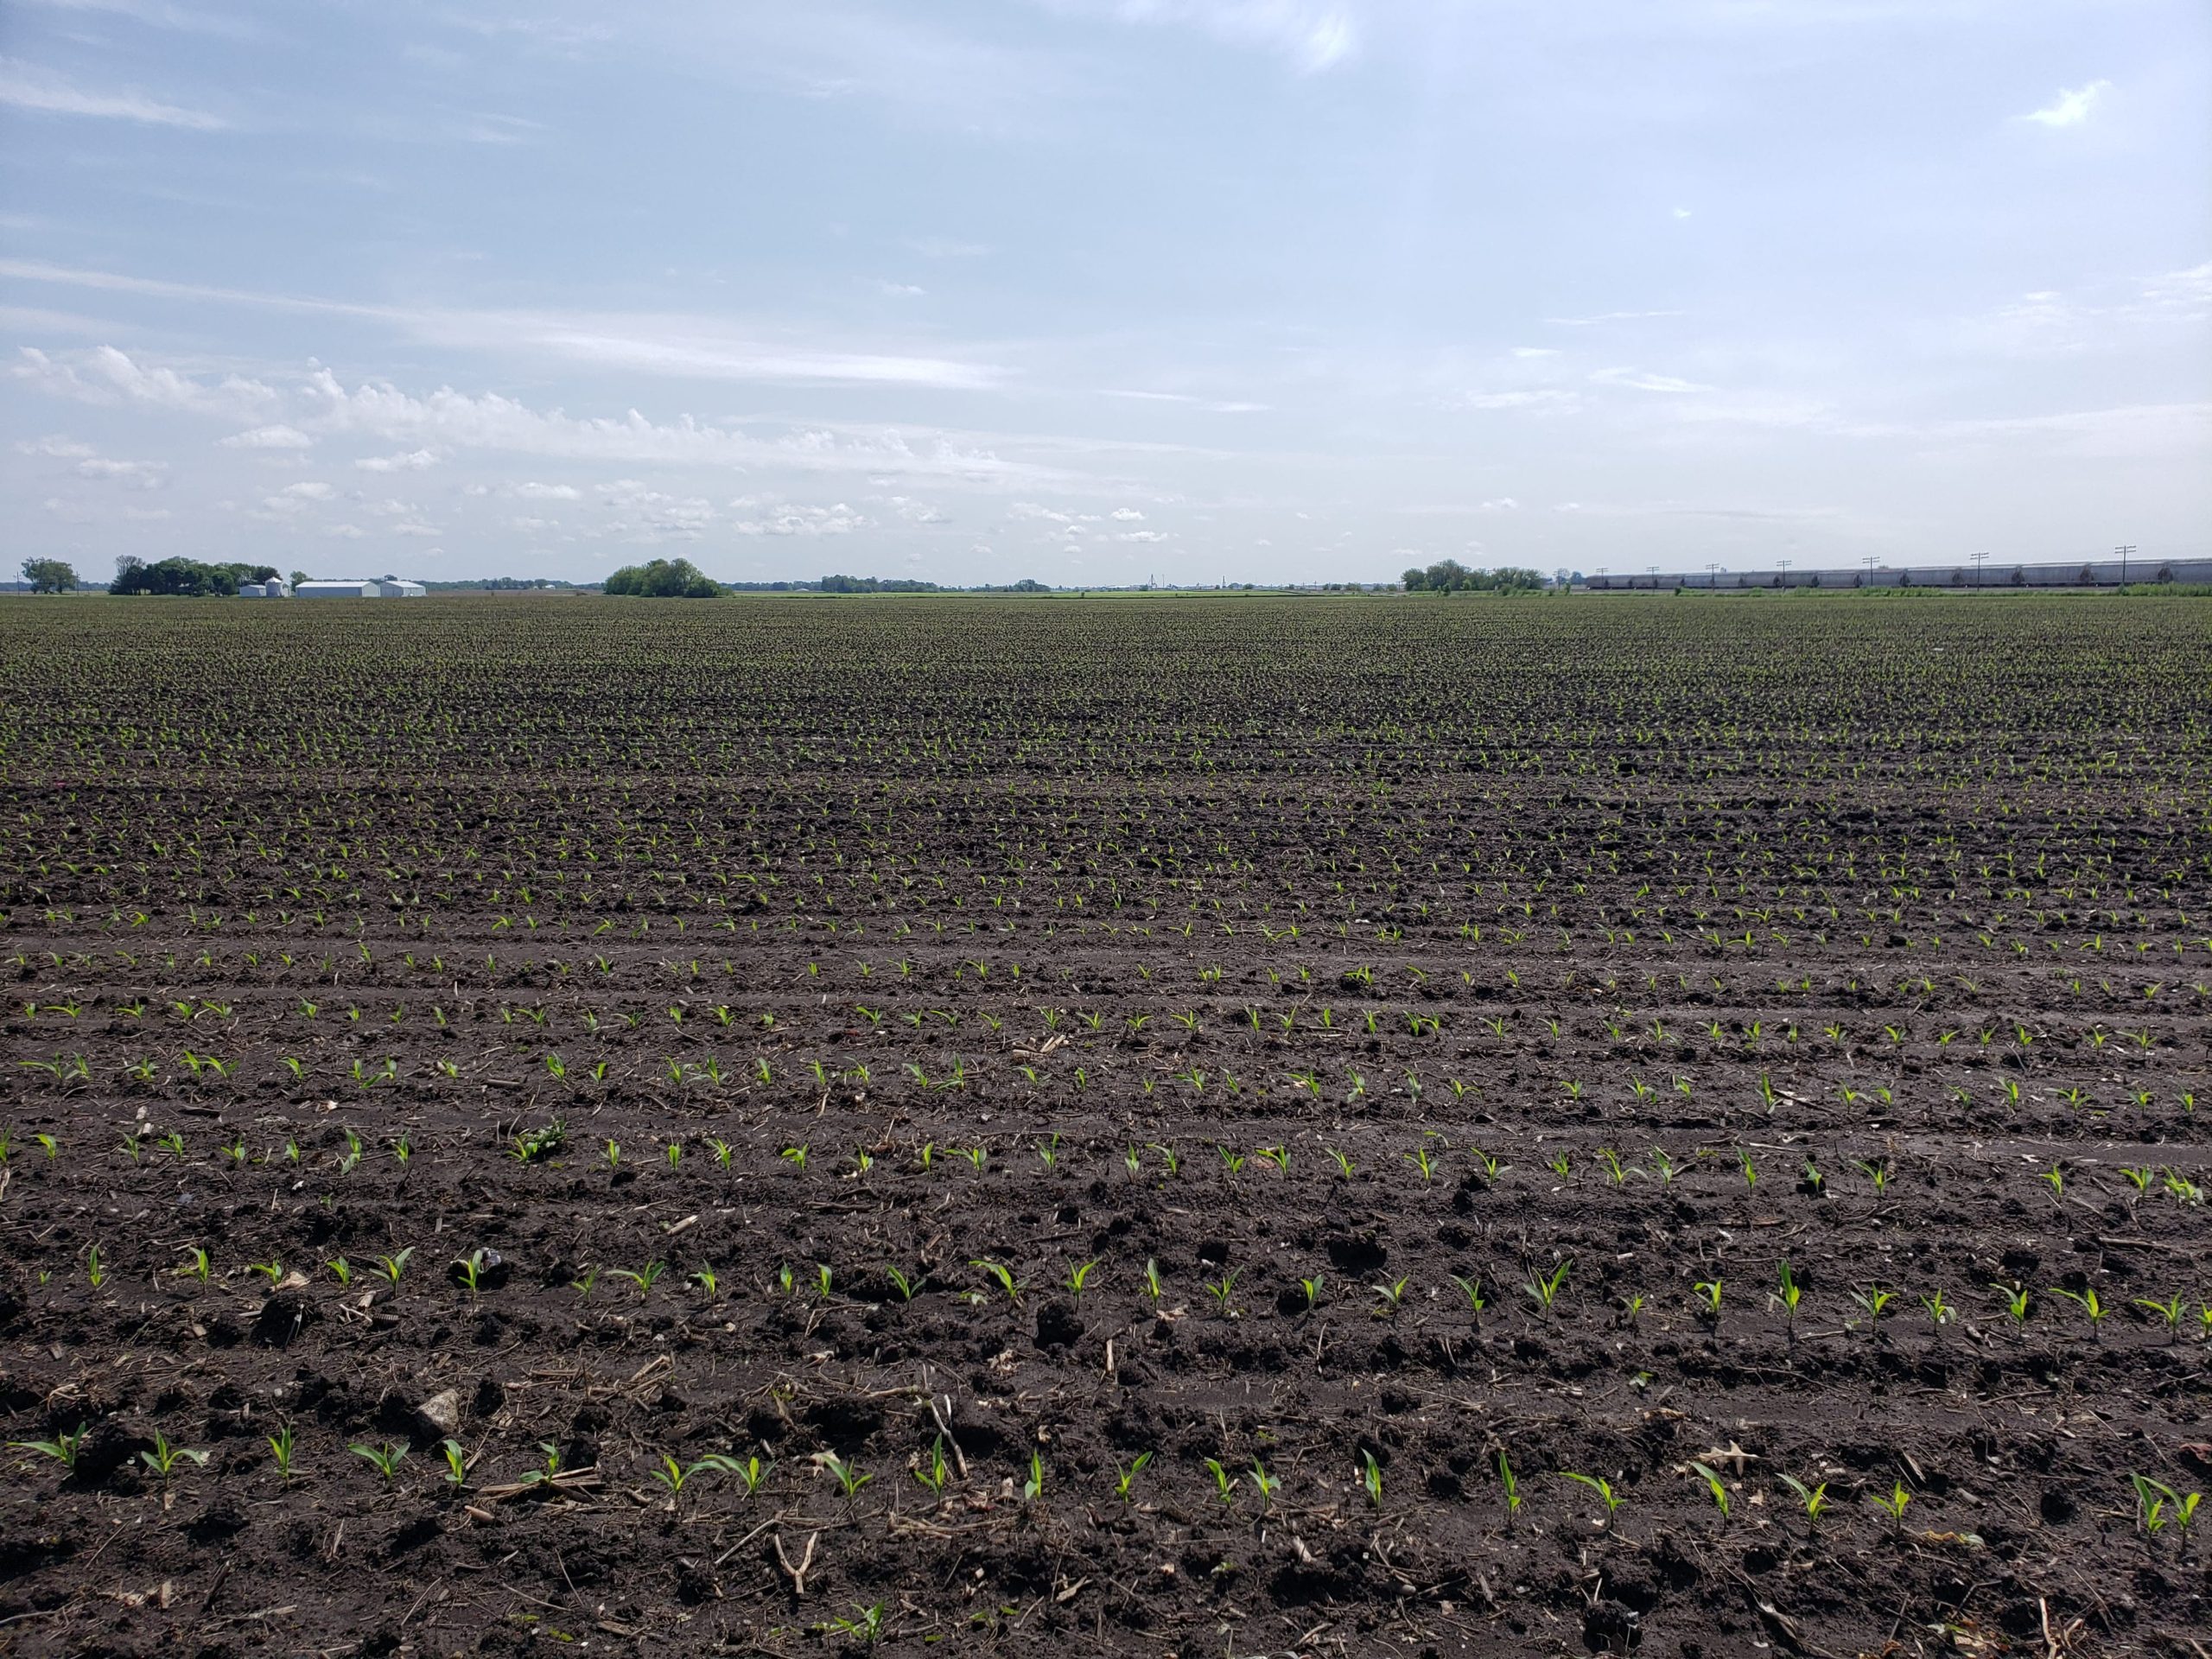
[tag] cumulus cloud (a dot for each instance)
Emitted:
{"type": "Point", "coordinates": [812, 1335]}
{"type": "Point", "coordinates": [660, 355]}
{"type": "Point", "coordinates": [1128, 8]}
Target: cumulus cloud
{"type": "Point", "coordinates": [786, 520]}
{"type": "Point", "coordinates": [536, 491]}
{"type": "Point", "coordinates": [131, 474]}
{"type": "Point", "coordinates": [109, 378]}
{"type": "Point", "coordinates": [57, 448]}
{"type": "Point", "coordinates": [278, 436]}
{"type": "Point", "coordinates": [2071, 107]}
{"type": "Point", "coordinates": [413, 462]}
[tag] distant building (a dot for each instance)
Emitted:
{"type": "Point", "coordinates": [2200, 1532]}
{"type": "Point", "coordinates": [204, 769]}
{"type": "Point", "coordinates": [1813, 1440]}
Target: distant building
{"type": "Point", "coordinates": [361, 588]}
{"type": "Point", "coordinates": [275, 587]}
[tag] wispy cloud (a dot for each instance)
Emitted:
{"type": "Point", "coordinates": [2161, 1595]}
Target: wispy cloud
{"type": "Point", "coordinates": [323, 407]}
{"type": "Point", "coordinates": [687, 347]}
{"type": "Point", "coordinates": [1638, 381]}
{"type": "Point", "coordinates": [2070, 108]}
{"type": "Point", "coordinates": [1314, 34]}
{"type": "Point", "coordinates": [27, 87]}
{"type": "Point", "coordinates": [1592, 321]}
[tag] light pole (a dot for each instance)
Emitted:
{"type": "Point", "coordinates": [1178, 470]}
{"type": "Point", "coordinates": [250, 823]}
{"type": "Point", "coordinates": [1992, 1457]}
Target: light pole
{"type": "Point", "coordinates": [1712, 575]}
{"type": "Point", "coordinates": [1979, 559]}
{"type": "Point", "coordinates": [2123, 552]}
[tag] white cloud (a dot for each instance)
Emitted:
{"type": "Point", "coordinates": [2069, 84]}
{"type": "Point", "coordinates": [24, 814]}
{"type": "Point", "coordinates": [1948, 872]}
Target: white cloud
{"type": "Point", "coordinates": [946, 247]}
{"type": "Point", "coordinates": [2070, 108]}
{"type": "Point", "coordinates": [1128, 515]}
{"type": "Point", "coordinates": [901, 290]}
{"type": "Point", "coordinates": [1143, 536]}
{"type": "Point", "coordinates": [1502, 504]}
{"type": "Point", "coordinates": [26, 86]}
{"type": "Point", "coordinates": [1212, 406]}
{"type": "Point", "coordinates": [1608, 316]}
{"type": "Point", "coordinates": [413, 527]}
{"type": "Point", "coordinates": [1542, 398]}
{"type": "Point", "coordinates": [109, 378]}
{"type": "Point", "coordinates": [58, 447]}
{"type": "Point", "coordinates": [346, 532]}
{"type": "Point", "coordinates": [1640, 381]}
{"type": "Point", "coordinates": [132, 475]}
{"type": "Point", "coordinates": [786, 519]}
{"type": "Point", "coordinates": [278, 436]}
{"type": "Point", "coordinates": [1314, 34]}
{"type": "Point", "coordinates": [413, 462]}
{"type": "Point", "coordinates": [535, 492]}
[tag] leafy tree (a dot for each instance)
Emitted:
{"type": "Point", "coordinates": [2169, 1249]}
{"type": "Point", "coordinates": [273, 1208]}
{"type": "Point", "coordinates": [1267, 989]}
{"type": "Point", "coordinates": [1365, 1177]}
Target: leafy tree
{"type": "Point", "coordinates": [1450, 576]}
{"type": "Point", "coordinates": [875, 585]}
{"type": "Point", "coordinates": [663, 579]}
{"type": "Point", "coordinates": [186, 578]}
{"type": "Point", "coordinates": [49, 576]}
{"type": "Point", "coordinates": [298, 577]}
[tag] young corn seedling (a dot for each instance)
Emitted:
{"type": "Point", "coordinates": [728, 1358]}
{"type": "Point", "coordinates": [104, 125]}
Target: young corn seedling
{"type": "Point", "coordinates": [1709, 1290]}
{"type": "Point", "coordinates": [165, 1457]}
{"type": "Point", "coordinates": [1511, 1483]}
{"type": "Point", "coordinates": [384, 1458]}
{"type": "Point", "coordinates": [281, 1445]}
{"type": "Point", "coordinates": [389, 1267]}
{"type": "Point", "coordinates": [2014, 1299]}
{"type": "Point", "coordinates": [1391, 1294]}
{"type": "Point", "coordinates": [1126, 1479]}
{"type": "Point", "coordinates": [1472, 1290]}
{"type": "Point", "coordinates": [644, 1278]}
{"type": "Point", "coordinates": [456, 1463]}
{"type": "Point", "coordinates": [1939, 1312]}
{"type": "Point", "coordinates": [1032, 1487]}
{"type": "Point", "coordinates": [1815, 1498]}
{"type": "Point", "coordinates": [1603, 1488]}
{"type": "Point", "coordinates": [2169, 1311]}
{"type": "Point", "coordinates": [1223, 1289]}
{"type": "Point", "coordinates": [1545, 1287]}
{"type": "Point", "coordinates": [1873, 1299]}
{"type": "Point", "coordinates": [1078, 1275]}
{"type": "Point", "coordinates": [1788, 1295]}
{"type": "Point", "coordinates": [904, 1286]}
{"type": "Point", "coordinates": [469, 1269]}
{"type": "Point", "coordinates": [63, 1448]}
{"type": "Point", "coordinates": [849, 1479]}
{"type": "Point", "coordinates": [1225, 1484]}
{"type": "Point", "coordinates": [194, 1265]}
{"type": "Point", "coordinates": [1893, 1504]}
{"type": "Point", "coordinates": [1267, 1485]}
{"type": "Point", "coordinates": [933, 1471]}
{"type": "Point", "coordinates": [1152, 1287]}
{"type": "Point", "coordinates": [1004, 1275]}
{"type": "Point", "coordinates": [1714, 1485]}
{"type": "Point", "coordinates": [1371, 1479]}
{"type": "Point", "coordinates": [2089, 1303]}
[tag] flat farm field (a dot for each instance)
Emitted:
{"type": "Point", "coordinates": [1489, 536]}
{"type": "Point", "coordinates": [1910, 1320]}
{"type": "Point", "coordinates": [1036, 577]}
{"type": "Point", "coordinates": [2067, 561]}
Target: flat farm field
{"type": "Point", "coordinates": [1196, 1126]}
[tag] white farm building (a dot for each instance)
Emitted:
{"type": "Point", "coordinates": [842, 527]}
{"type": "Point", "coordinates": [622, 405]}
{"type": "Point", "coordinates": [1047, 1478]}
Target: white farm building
{"type": "Point", "coordinates": [360, 587]}
{"type": "Point", "coordinates": [275, 588]}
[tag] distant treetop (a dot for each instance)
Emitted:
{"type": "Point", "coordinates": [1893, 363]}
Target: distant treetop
{"type": "Point", "coordinates": [1450, 576]}
{"type": "Point", "coordinates": [663, 579]}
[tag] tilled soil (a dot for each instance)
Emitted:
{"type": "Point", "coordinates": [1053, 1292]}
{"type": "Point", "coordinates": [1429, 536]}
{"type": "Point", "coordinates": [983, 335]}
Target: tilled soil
{"type": "Point", "coordinates": [1115, 1127]}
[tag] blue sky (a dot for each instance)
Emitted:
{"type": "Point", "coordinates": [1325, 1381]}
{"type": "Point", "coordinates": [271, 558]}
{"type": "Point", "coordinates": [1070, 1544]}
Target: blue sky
{"type": "Point", "coordinates": [1092, 290]}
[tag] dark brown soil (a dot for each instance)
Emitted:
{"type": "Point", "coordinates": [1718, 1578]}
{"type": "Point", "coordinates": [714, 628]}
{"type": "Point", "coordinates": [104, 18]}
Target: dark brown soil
{"type": "Point", "coordinates": [1305, 985]}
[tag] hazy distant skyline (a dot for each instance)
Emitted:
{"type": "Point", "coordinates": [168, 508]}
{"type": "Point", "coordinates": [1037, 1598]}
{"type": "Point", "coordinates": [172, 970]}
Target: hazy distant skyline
{"type": "Point", "coordinates": [1086, 290]}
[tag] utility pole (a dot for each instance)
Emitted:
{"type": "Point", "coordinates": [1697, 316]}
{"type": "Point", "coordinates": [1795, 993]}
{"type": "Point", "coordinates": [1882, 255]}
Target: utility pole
{"type": "Point", "coordinates": [1979, 559]}
{"type": "Point", "coordinates": [1712, 575]}
{"type": "Point", "coordinates": [1870, 561]}
{"type": "Point", "coordinates": [2123, 553]}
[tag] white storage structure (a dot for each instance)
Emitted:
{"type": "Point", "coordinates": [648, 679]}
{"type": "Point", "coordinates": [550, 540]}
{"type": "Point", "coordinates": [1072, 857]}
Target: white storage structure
{"type": "Point", "coordinates": [275, 588]}
{"type": "Point", "coordinates": [361, 588]}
